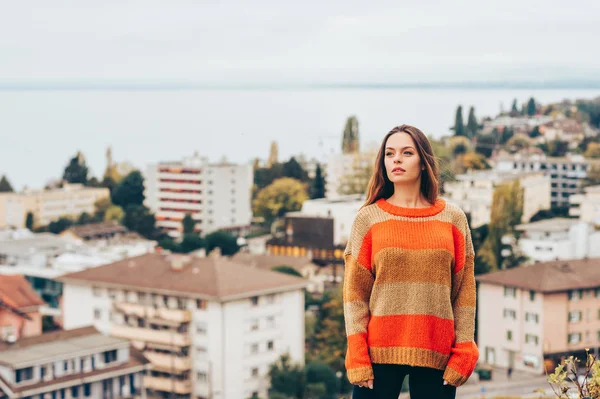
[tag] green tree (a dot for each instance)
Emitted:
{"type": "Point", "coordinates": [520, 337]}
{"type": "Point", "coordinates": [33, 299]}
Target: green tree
{"type": "Point", "coordinates": [485, 144]}
{"type": "Point", "coordinates": [474, 161]}
{"type": "Point", "coordinates": [287, 379]}
{"type": "Point", "coordinates": [535, 132]}
{"type": "Point", "coordinates": [29, 221]}
{"type": "Point", "coordinates": [5, 186]}
{"type": "Point", "coordinates": [129, 191]}
{"type": "Point", "coordinates": [188, 224]}
{"type": "Point", "coordinates": [101, 206]}
{"type": "Point", "coordinates": [287, 270]}
{"type": "Point", "coordinates": [472, 125]}
{"type": "Point", "coordinates": [593, 150]}
{"type": "Point", "coordinates": [558, 148]}
{"type": "Point", "coordinates": [459, 145]}
{"type": "Point", "coordinates": [350, 137]}
{"type": "Point", "coordinates": [265, 176]}
{"type": "Point", "coordinates": [318, 184]}
{"type": "Point", "coordinates": [328, 344]}
{"type": "Point", "coordinates": [76, 171]}
{"type": "Point", "coordinates": [459, 127]}
{"type": "Point", "coordinates": [138, 218]}
{"type": "Point", "coordinates": [114, 213]}
{"type": "Point", "coordinates": [531, 107]}
{"type": "Point", "coordinates": [322, 376]}
{"type": "Point", "coordinates": [60, 225]}
{"type": "Point", "coordinates": [224, 240]}
{"type": "Point", "coordinates": [514, 110]}
{"type": "Point", "coordinates": [518, 142]}
{"type": "Point", "coordinates": [506, 134]}
{"type": "Point", "coordinates": [85, 218]}
{"type": "Point", "coordinates": [507, 211]}
{"type": "Point", "coordinates": [281, 196]}
{"type": "Point", "coordinates": [294, 170]}
{"type": "Point", "coordinates": [191, 242]}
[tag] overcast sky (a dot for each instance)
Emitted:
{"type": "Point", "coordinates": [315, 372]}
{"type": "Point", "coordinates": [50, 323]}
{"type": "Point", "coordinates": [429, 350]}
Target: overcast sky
{"type": "Point", "coordinates": [299, 41]}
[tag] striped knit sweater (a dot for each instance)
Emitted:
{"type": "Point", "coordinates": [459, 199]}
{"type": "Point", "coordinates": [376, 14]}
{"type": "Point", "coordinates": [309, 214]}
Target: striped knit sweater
{"type": "Point", "coordinates": [409, 290]}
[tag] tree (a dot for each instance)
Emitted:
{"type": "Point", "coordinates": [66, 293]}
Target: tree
{"type": "Point", "coordinates": [294, 170]}
{"type": "Point", "coordinates": [5, 186]}
{"type": "Point", "coordinates": [459, 145]}
{"type": "Point", "coordinates": [281, 196]}
{"type": "Point", "coordinates": [287, 270]}
{"type": "Point", "coordinates": [191, 242]}
{"type": "Point", "coordinates": [592, 177]}
{"type": "Point", "coordinates": [514, 110]}
{"type": "Point", "coordinates": [472, 125]}
{"type": "Point", "coordinates": [535, 132]}
{"type": "Point", "coordinates": [129, 191]}
{"type": "Point", "coordinates": [85, 218]}
{"type": "Point", "coordinates": [318, 184]}
{"type": "Point", "coordinates": [114, 213]}
{"type": "Point", "coordinates": [505, 135]}
{"type": "Point", "coordinates": [224, 240]}
{"type": "Point", "coordinates": [286, 378]}
{"type": "Point", "coordinates": [350, 137]}
{"type": "Point", "coordinates": [265, 176]}
{"type": "Point", "coordinates": [459, 127]}
{"type": "Point", "coordinates": [60, 225]}
{"type": "Point", "coordinates": [485, 144]}
{"type": "Point", "coordinates": [321, 381]}
{"type": "Point", "coordinates": [29, 221]}
{"type": "Point", "coordinates": [558, 148]}
{"type": "Point", "coordinates": [593, 150]}
{"type": "Point", "coordinates": [138, 218]}
{"type": "Point", "coordinates": [531, 107]}
{"type": "Point", "coordinates": [328, 344]}
{"type": "Point", "coordinates": [474, 161]}
{"type": "Point", "coordinates": [76, 171]}
{"type": "Point", "coordinates": [518, 142]}
{"type": "Point", "coordinates": [188, 224]}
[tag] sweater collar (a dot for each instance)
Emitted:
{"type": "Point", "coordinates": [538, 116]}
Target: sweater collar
{"type": "Point", "coordinates": [434, 209]}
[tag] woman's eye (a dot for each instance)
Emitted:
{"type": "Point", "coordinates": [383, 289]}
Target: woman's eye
{"type": "Point", "coordinates": [407, 153]}
{"type": "Point", "coordinates": [387, 154]}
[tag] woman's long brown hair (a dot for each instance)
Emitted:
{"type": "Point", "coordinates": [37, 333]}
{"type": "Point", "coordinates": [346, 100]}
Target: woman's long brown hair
{"type": "Point", "coordinates": [379, 184]}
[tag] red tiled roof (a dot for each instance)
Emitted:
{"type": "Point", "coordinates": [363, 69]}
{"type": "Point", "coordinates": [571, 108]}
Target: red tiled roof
{"type": "Point", "coordinates": [215, 277]}
{"type": "Point", "coordinates": [17, 292]}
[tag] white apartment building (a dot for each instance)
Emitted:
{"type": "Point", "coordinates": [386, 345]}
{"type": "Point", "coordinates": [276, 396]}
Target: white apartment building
{"type": "Point", "coordinates": [559, 238]}
{"type": "Point", "coordinates": [80, 363]}
{"type": "Point", "coordinates": [218, 195]}
{"type": "Point", "coordinates": [343, 210]}
{"type": "Point", "coordinates": [587, 205]}
{"type": "Point", "coordinates": [48, 205]}
{"type": "Point", "coordinates": [534, 317]}
{"type": "Point", "coordinates": [345, 169]}
{"type": "Point", "coordinates": [566, 173]}
{"type": "Point", "coordinates": [474, 193]}
{"type": "Point", "coordinates": [211, 327]}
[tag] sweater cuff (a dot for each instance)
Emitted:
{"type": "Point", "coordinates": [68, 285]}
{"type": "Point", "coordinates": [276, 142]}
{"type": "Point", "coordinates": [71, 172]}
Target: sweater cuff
{"type": "Point", "coordinates": [461, 364]}
{"type": "Point", "coordinates": [360, 374]}
{"type": "Point", "coordinates": [454, 378]}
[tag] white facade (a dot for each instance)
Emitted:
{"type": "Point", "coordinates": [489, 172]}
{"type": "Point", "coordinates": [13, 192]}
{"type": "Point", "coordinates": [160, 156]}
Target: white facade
{"type": "Point", "coordinates": [71, 200]}
{"type": "Point", "coordinates": [566, 174]}
{"type": "Point", "coordinates": [510, 327]}
{"type": "Point", "coordinates": [586, 206]}
{"type": "Point", "coordinates": [558, 239]}
{"type": "Point", "coordinates": [339, 166]}
{"type": "Point", "coordinates": [474, 193]}
{"type": "Point", "coordinates": [343, 210]}
{"type": "Point", "coordinates": [217, 195]}
{"type": "Point", "coordinates": [232, 343]}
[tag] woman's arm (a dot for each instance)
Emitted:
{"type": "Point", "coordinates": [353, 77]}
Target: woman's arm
{"type": "Point", "coordinates": [358, 282]}
{"type": "Point", "coordinates": [464, 353]}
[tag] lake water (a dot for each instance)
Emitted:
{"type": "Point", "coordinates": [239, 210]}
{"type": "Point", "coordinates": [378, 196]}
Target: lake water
{"type": "Point", "coordinates": [41, 130]}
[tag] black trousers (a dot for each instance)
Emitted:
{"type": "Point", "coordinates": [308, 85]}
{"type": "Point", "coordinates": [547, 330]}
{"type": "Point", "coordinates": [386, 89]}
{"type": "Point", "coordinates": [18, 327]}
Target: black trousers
{"type": "Point", "coordinates": [424, 383]}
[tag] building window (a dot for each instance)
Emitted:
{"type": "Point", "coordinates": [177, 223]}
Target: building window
{"type": "Point", "coordinates": [508, 335]}
{"type": "Point", "coordinates": [62, 394]}
{"type": "Point", "coordinates": [74, 392]}
{"type": "Point", "coordinates": [254, 301]}
{"type": "Point", "coordinates": [270, 345]}
{"type": "Point", "coordinates": [201, 329]}
{"type": "Point", "coordinates": [255, 372]}
{"type": "Point", "coordinates": [254, 348]}
{"type": "Point", "coordinates": [510, 314]}
{"type": "Point", "coordinates": [110, 356]}
{"type": "Point", "coordinates": [201, 304]}
{"type": "Point", "coordinates": [201, 351]}
{"type": "Point", "coordinates": [271, 298]}
{"type": "Point", "coordinates": [202, 377]}
{"type": "Point", "coordinates": [532, 296]}
{"type": "Point", "coordinates": [25, 374]}
{"type": "Point", "coordinates": [97, 314]}
{"type": "Point", "coordinates": [530, 338]}
{"type": "Point", "coordinates": [510, 291]}
{"type": "Point", "coordinates": [271, 322]}
{"type": "Point", "coordinates": [532, 317]}
{"type": "Point", "coordinates": [97, 292]}
{"type": "Point", "coordinates": [574, 316]}
{"type": "Point", "coordinates": [254, 325]}
{"type": "Point", "coordinates": [66, 366]}
{"type": "Point", "coordinates": [575, 295]}
{"type": "Point", "coordinates": [574, 338]}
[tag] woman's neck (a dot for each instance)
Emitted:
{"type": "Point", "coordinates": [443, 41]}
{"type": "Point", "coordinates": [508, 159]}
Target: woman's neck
{"type": "Point", "coordinates": [408, 197]}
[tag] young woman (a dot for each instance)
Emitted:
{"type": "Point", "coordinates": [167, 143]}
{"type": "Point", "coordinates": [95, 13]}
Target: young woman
{"type": "Point", "coordinates": [409, 287]}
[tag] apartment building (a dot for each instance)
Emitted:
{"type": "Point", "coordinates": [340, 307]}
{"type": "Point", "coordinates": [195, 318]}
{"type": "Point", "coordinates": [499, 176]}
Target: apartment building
{"type": "Point", "coordinates": [567, 174]}
{"type": "Point", "coordinates": [533, 317]}
{"type": "Point", "coordinates": [474, 192]}
{"type": "Point", "coordinates": [20, 315]}
{"type": "Point", "coordinates": [48, 205]}
{"type": "Point", "coordinates": [347, 171]}
{"type": "Point", "coordinates": [80, 363]}
{"type": "Point", "coordinates": [559, 238]}
{"type": "Point", "coordinates": [218, 195]}
{"type": "Point", "coordinates": [586, 206]}
{"type": "Point", "coordinates": [211, 327]}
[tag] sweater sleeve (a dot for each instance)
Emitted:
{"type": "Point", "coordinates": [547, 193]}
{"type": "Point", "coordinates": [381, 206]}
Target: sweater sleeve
{"type": "Point", "coordinates": [464, 353]}
{"type": "Point", "coordinates": [358, 282]}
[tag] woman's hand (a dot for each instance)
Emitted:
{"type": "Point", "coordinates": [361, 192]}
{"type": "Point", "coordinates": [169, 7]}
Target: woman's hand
{"type": "Point", "coordinates": [445, 382]}
{"type": "Point", "coordinates": [366, 384]}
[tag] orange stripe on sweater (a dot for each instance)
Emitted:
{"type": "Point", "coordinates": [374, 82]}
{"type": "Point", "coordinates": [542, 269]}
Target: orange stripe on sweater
{"type": "Point", "coordinates": [464, 358]}
{"type": "Point", "coordinates": [358, 352]}
{"type": "Point", "coordinates": [433, 234]}
{"type": "Point", "coordinates": [412, 331]}
{"type": "Point", "coordinates": [459, 249]}
{"type": "Point", "coordinates": [364, 255]}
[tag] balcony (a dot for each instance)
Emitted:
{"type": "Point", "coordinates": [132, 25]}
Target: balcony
{"type": "Point", "coordinates": [168, 363]}
{"type": "Point", "coordinates": [167, 385]}
{"type": "Point", "coordinates": [164, 337]}
{"type": "Point", "coordinates": [148, 312]}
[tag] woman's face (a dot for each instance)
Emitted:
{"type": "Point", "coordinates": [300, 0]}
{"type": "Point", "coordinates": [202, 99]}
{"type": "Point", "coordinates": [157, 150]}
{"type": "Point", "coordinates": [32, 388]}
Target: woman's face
{"type": "Point", "coordinates": [402, 161]}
